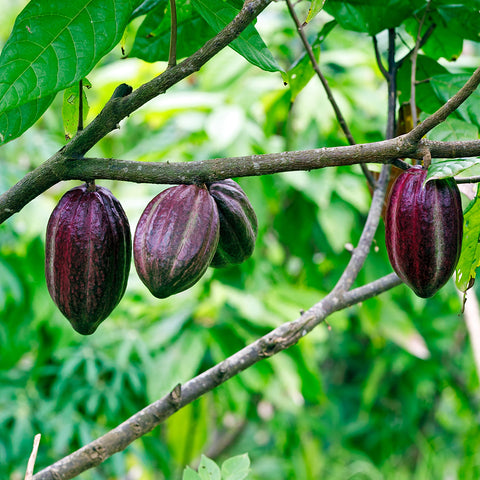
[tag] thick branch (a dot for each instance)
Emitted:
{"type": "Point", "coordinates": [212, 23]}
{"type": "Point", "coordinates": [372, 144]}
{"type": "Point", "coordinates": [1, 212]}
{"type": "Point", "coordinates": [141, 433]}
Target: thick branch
{"type": "Point", "coordinates": [153, 415]}
{"type": "Point", "coordinates": [60, 168]}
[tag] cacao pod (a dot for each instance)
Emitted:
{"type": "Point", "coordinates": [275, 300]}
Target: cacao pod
{"type": "Point", "coordinates": [88, 254]}
{"type": "Point", "coordinates": [238, 224]}
{"type": "Point", "coordinates": [423, 227]}
{"type": "Point", "coordinates": [176, 238]}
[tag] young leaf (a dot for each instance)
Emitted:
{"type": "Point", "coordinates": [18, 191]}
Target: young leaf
{"type": "Point", "coordinates": [190, 474]}
{"type": "Point", "coordinates": [470, 256]}
{"type": "Point", "coordinates": [236, 468]}
{"type": "Point", "coordinates": [71, 107]}
{"type": "Point", "coordinates": [208, 469]}
{"type": "Point", "coordinates": [315, 8]}
{"type": "Point", "coordinates": [249, 44]}
{"type": "Point", "coordinates": [48, 51]}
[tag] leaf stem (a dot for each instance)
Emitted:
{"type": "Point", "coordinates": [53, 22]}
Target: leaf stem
{"type": "Point", "coordinates": [172, 55]}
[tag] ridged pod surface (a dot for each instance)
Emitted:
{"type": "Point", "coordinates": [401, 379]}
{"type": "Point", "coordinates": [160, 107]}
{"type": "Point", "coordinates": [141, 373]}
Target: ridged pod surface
{"type": "Point", "coordinates": [88, 255]}
{"type": "Point", "coordinates": [176, 238]}
{"type": "Point", "coordinates": [238, 224]}
{"type": "Point", "coordinates": [424, 227]}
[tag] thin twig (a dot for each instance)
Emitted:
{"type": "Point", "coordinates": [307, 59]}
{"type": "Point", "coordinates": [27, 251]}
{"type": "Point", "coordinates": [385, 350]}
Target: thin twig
{"type": "Point", "coordinates": [413, 73]}
{"type": "Point", "coordinates": [392, 85]}
{"type": "Point", "coordinates": [146, 420]}
{"type": "Point", "coordinates": [340, 118]}
{"type": "Point", "coordinates": [378, 57]}
{"type": "Point", "coordinates": [33, 457]}
{"type": "Point", "coordinates": [172, 55]}
{"type": "Point", "coordinates": [461, 180]}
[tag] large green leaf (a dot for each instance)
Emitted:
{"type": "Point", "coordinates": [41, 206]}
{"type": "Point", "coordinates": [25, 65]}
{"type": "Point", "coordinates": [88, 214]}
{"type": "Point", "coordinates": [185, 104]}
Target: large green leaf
{"type": "Point", "coordinates": [152, 42]}
{"type": "Point", "coordinates": [249, 44]}
{"type": "Point", "coordinates": [52, 46]}
{"type": "Point", "coordinates": [16, 121]}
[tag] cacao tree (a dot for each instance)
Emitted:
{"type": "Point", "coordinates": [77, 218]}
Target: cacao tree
{"type": "Point", "coordinates": [422, 58]}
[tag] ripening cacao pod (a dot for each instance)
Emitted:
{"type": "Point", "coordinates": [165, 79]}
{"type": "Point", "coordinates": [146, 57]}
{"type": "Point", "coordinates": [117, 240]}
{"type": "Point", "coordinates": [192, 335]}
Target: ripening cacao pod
{"type": "Point", "coordinates": [238, 224]}
{"type": "Point", "coordinates": [176, 238]}
{"type": "Point", "coordinates": [423, 227]}
{"type": "Point", "coordinates": [88, 254]}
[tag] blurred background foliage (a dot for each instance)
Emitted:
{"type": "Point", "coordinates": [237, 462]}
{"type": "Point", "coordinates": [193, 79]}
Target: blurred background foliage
{"type": "Point", "coordinates": [388, 390]}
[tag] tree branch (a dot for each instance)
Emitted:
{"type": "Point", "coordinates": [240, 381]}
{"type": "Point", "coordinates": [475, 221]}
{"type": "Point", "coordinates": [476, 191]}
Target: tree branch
{"type": "Point", "coordinates": [153, 415]}
{"type": "Point", "coordinates": [60, 167]}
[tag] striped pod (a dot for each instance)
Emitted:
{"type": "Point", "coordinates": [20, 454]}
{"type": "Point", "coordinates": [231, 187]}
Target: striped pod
{"type": "Point", "coordinates": [423, 228]}
{"type": "Point", "coordinates": [88, 256]}
{"type": "Point", "coordinates": [176, 238]}
{"type": "Point", "coordinates": [238, 224]}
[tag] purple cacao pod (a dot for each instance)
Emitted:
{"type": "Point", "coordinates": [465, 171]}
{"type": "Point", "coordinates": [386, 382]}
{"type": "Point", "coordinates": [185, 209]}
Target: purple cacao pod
{"type": "Point", "coordinates": [88, 255]}
{"type": "Point", "coordinates": [176, 238]}
{"type": "Point", "coordinates": [238, 224]}
{"type": "Point", "coordinates": [423, 228]}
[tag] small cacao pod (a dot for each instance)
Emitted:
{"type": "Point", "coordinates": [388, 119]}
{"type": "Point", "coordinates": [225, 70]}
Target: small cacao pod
{"type": "Point", "coordinates": [176, 238]}
{"type": "Point", "coordinates": [88, 255]}
{"type": "Point", "coordinates": [238, 224]}
{"type": "Point", "coordinates": [424, 227]}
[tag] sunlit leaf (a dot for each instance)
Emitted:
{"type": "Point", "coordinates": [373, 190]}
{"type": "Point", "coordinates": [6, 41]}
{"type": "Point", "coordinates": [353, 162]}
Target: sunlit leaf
{"type": "Point", "coordinates": [470, 256]}
{"type": "Point", "coordinates": [315, 9]}
{"type": "Point", "coordinates": [450, 168]}
{"type": "Point", "coordinates": [208, 469]}
{"type": "Point", "coordinates": [236, 468]}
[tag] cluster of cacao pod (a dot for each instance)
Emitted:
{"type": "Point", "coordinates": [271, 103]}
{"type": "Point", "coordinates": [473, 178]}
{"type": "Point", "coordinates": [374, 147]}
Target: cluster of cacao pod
{"type": "Point", "coordinates": [182, 231]}
{"type": "Point", "coordinates": [423, 230]}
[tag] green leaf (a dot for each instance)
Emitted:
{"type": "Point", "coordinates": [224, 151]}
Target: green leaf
{"type": "Point", "coordinates": [236, 468]}
{"type": "Point", "coordinates": [315, 8]}
{"type": "Point", "coordinates": [146, 7]}
{"type": "Point", "coordinates": [372, 16]}
{"type": "Point", "coordinates": [249, 44]}
{"type": "Point", "coordinates": [208, 469]}
{"type": "Point", "coordinates": [446, 86]}
{"type": "Point", "coordinates": [452, 130]}
{"type": "Point", "coordinates": [470, 256]}
{"type": "Point", "coordinates": [71, 107]}
{"type": "Point", "coordinates": [301, 73]}
{"type": "Point", "coordinates": [47, 52]}
{"type": "Point", "coordinates": [190, 474]}
{"type": "Point", "coordinates": [449, 168]}
{"type": "Point", "coordinates": [16, 121]}
{"type": "Point", "coordinates": [461, 19]}
{"type": "Point", "coordinates": [152, 42]}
